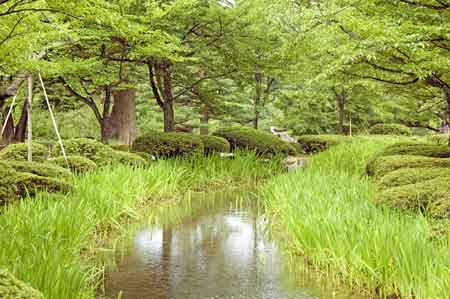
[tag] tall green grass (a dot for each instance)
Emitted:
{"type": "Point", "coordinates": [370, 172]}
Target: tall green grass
{"type": "Point", "coordinates": [331, 221]}
{"type": "Point", "coordinates": [49, 241]}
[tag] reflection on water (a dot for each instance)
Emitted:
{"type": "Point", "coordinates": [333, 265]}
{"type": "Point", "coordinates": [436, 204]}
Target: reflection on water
{"type": "Point", "coordinates": [218, 252]}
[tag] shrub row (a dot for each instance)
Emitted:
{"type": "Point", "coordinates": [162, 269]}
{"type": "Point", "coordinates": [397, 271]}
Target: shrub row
{"type": "Point", "coordinates": [310, 144]}
{"type": "Point", "coordinates": [417, 149]}
{"type": "Point", "coordinates": [390, 129]}
{"type": "Point", "coordinates": [263, 143]}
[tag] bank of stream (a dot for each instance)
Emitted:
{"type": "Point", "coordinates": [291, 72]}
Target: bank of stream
{"type": "Point", "coordinates": [210, 245]}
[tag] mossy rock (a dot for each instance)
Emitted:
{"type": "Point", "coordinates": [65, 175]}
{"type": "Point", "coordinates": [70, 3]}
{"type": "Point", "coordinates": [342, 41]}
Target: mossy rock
{"type": "Point", "coordinates": [263, 143]}
{"type": "Point", "coordinates": [76, 164]}
{"type": "Point", "coordinates": [311, 144]}
{"type": "Point", "coordinates": [40, 169]}
{"type": "Point", "coordinates": [430, 197]}
{"type": "Point", "coordinates": [417, 149]}
{"type": "Point", "coordinates": [169, 145]}
{"type": "Point", "coordinates": [129, 159]}
{"type": "Point", "coordinates": [214, 144]}
{"type": "Point", "coordinates": [383, 165]}
{"type": "Point", "coordinates": [390, 129]}
{"type": "Point", "coordinates": [13, 288]}
{"type": "Point", "coordinates": [407, 176]}
{"type": "Point", "coordinates": [19, 152]}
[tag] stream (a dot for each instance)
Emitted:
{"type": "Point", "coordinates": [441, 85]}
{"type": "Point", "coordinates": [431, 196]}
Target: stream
{"type": "Point", "coordinates": [210, 246]}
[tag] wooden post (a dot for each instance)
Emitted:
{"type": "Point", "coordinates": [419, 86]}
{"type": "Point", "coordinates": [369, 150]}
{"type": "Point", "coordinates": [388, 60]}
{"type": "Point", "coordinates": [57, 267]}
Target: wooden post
{"type": "Point", "coordinates": [29, 119]}
{"type": "Point", "coordinates": [55, 126]}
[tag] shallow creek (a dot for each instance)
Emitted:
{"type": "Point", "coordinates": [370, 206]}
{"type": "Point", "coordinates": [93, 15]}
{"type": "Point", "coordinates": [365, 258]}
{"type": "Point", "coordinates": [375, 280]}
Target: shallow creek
{"type": "Point", "coordinates": [210, 246]}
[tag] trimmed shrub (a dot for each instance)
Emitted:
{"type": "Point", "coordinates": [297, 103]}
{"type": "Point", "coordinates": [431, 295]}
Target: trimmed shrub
{"type": "Point", "coordinates": [430, 197]}
{"type": "Point", "coordinates": [390, 129]}
{"type": "Point", "coordinates": [88, 148]}
{"type": "Point", "coordinates": [130, 159]}
{"type": "Point", "coordinates": [311, 144]}
{"type": "Point", "coordinates": [77, 164]}
{"type": "Point", "coordinates": [40, 169]}
{"type": "Point", "coordinates": [19, 152]}
{"type": "Point", "coordinates": [120, 147]}
{"type": "Point", "coordinates": [262, 143]}
{"type": "Point", "coordinates": [12, 288]}
{"type": "Point", "coordinates": [381, 166]}
{"type": "Point", "coordinates": [407, 176]}
{"type": "Point", "coordinates": [169, 145]}
{"type": "Point", "coordinates": [417, 149]}
{"type": "Point", "coordinates": [214, 144]}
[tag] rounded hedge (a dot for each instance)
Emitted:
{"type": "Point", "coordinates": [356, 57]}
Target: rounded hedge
{"type": "Point", "coordinates": [214, 144]}
{"type": "Point", "coordinates": [76, 164]}
{"type": "Point", "coordinates": [390, 129]}
{"type": "Point", "coordinates": [13, 288]}
{"type": "Point", "coordinates": [417, 149]}
{"type": "Point", "coordinates": [311, 144]}
{"type": "Point", "coordinates": [19, 152]}
{"type": "Point", "coordinates": [169, 145]}
{"type": "Point", "coordinates": [407, 176]}
{"type": "Point", "coordinates": [381, 166]}
{"type": "Point", "coordinates": [431, 197]}
{"type": "Point", "coordinates": [15, 184]}
{"type": "Point", "coordinates": [262, 143]}
{"type": "Point", "coordinates": [98, 152]}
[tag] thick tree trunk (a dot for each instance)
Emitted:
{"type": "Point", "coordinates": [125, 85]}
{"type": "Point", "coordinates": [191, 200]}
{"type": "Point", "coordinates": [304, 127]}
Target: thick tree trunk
{"type": "Point", "coordinates": [204, 122]}
{"type": "Point", "coordinates": [340, 103]}
{"type": "Point", "coordinates": [169, 117]}
{"type": "Point", "coordinates": [21, 127]}
{"type": "Point", "coordinates": [121, 124]}
{"type": "Point", "coordinates": [169, 113]}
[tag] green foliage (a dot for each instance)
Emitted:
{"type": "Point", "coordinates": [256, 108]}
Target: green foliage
{"type": "Point", "coordinates": [12, 288]}
{"type": "Point", "coordinates": [391, 253]}
{"type": "Point", "coordinates": [417, 149]}
{"type": "Point", "coordinates": [77, 164]}
{"type": "Point", "coordinates": [311, 144]}
{"type": "Point", "coordinates": [380, 166]}
{"type": "Point", "coordinates": [390, 129]}
{"type": "Point", "coordinates": [214, 144]}
{"type": "Point", "coordinates": [19, 152]}
{"type": "Point", "coordinates": [130, 159]}
{"type": "Point", "coordinates": [169, 145]}
{"type": "Point", "coordinates": [263, 143]}
{"type": "Point", "coordinates": [40, 169]}
{"type": "Point", "coordinates": [441, 139]}
{"type": "Point", "coordinates": [407, 176]}
{"type": "Point", "coordinates": [431, 197]}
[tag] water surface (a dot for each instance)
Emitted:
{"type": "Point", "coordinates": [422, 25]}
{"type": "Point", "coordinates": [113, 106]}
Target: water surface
{"type": "Point", "coordinates": [219, 248]}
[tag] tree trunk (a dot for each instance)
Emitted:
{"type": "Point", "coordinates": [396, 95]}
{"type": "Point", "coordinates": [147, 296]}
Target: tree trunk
{"type": "Point", "coordinates": [121, 124]}
{"type": "Point", "coordinates": [169, 117]}
{"type": "Point", "coordinates": [8, 134]}
{"type": "Point", "coordinates": [340, 103]}
{"type": "Point", "coordinates": [106, 130]}
{"type": "Point", "coordinates": [21, 127]}
{"type": "Point", "coordinates": [169, 113]}
{"type": "Point", "coordinates": [257, 103]}
{"type": "Point", "coordinates": [204, 122]}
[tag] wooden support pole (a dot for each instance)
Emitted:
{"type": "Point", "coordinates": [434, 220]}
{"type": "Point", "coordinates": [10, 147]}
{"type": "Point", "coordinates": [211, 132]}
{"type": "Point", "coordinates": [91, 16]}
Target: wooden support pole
{"type": "Point", "coordinates": [55, 126]}
{"type": "Point", "coordinates": [30, 119]}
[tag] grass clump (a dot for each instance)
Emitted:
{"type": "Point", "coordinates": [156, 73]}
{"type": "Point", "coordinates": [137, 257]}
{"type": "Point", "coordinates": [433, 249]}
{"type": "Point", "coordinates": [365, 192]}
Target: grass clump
{"type": "Point", "coordinates": [407, 176]}
{"type": "Point", "coordinates": [390, 129]}
{"type": "Point", "coordinates": [19, 152]}
{"type": "Point", "coordinates": [417, 149]}
{"type": "Point", "coordinates": [214, 144]}
{"type": "Point", "coordinates": [311, 144]}
{"type": "Point", "coordinates": [76, 164]}
{"type": "Point", "coordinates": [12, 288]}
{"type": "Point", "coordinates": [248, 139]}
{"type": "Point", "coordinates": [329, 217]}
{"type": "Point", "coordinates": [430, 197]}
{"type": "Point", "coordinates": [380, 166]}
{"type": "Point", "coordinates": [169, 145]}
